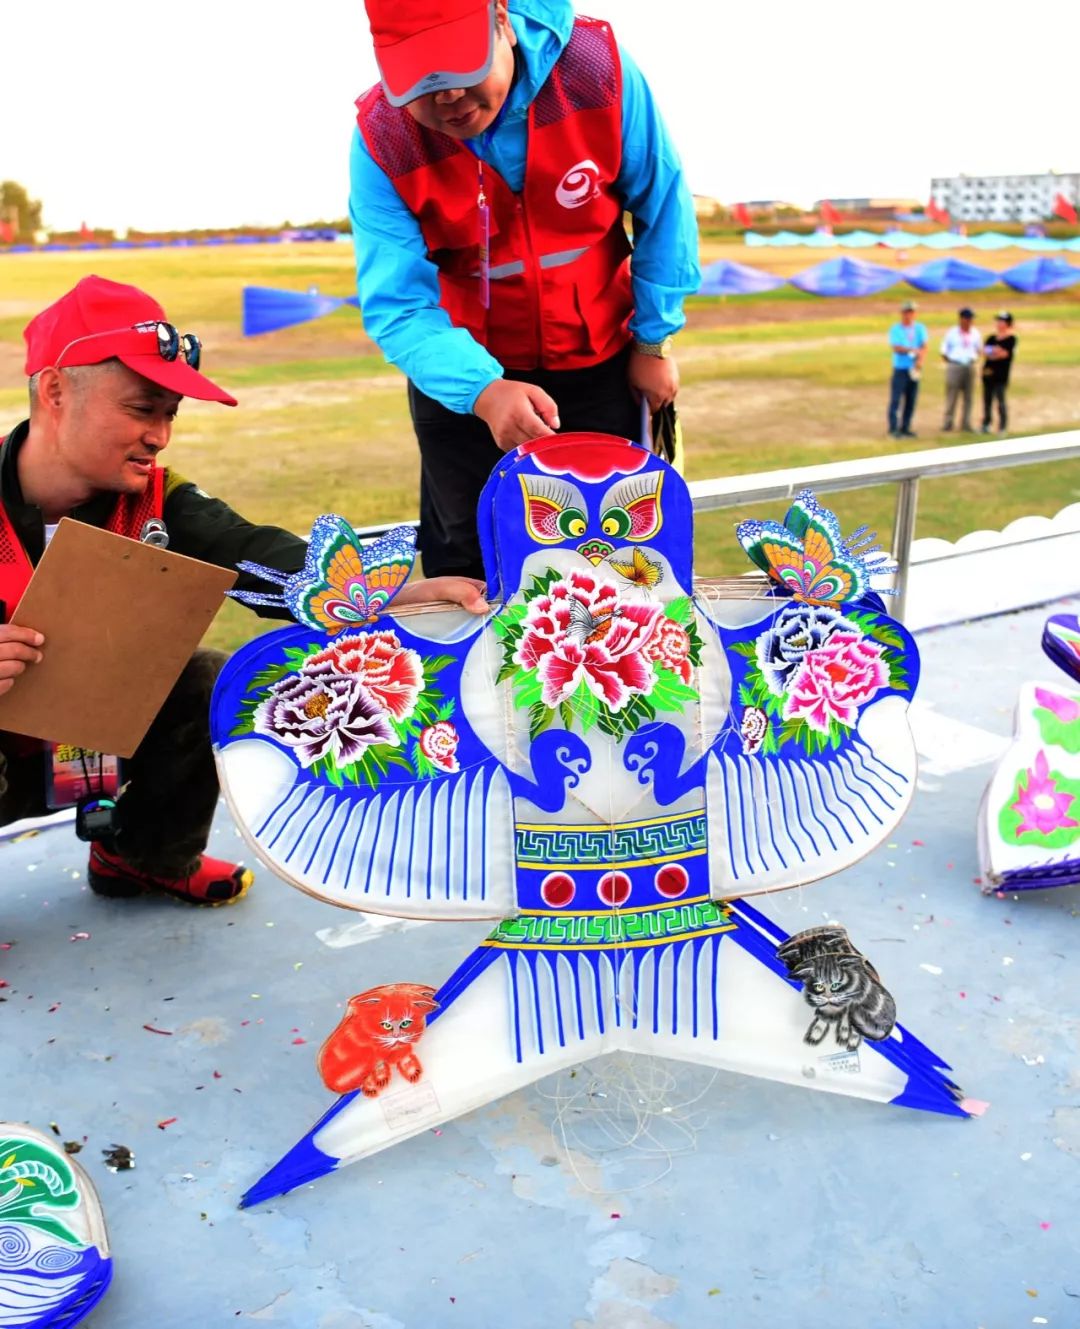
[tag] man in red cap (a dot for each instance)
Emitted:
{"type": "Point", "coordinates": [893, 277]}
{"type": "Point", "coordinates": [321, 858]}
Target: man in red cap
{"type": "Point", "coordinates": [512, 298]}
{"type": "Point", "coordinates": [107, 374]}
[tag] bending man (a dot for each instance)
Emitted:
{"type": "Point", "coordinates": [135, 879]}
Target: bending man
{"type": "Point", "coordinates": [491, 170]}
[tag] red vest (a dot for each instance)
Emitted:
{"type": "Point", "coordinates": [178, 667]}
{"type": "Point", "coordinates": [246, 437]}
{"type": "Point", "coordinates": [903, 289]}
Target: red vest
{"type": "Point", "coordinates": [560, 275]}
{"type": "Point", "coordinates": [128, 517]}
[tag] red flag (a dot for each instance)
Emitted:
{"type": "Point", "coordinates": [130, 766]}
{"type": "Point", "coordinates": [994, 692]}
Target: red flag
{"type": "Point", "coordinates": [828, 214]}
{"type": "Point", "coordinates": [938, 214]}
{"type": "Point", "coordinates": [1064, 209]}
{"type": "Point", "coordinates": [85, 233]}
{"type": "Point", "coordinates": [7, 232]}
{"type": "Point", "coordinates": [741, 213]}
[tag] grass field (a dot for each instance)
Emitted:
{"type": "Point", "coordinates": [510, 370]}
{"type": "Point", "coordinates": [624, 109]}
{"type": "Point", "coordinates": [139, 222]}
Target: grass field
{"type": "Point", "coordinates": [768, 381]}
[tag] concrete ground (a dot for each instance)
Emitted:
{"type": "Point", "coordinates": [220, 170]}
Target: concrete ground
{"type": "Point", "coordinates": [190, 1036]}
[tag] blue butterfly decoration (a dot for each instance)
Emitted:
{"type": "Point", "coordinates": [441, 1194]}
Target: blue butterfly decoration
{"type": "Point", "coordinates": [343, 582]}
{"type": "Point", "coordinates": [808, 557]}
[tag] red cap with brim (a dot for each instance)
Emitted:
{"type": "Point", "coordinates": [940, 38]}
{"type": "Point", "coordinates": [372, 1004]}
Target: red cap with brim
{"type": "Point", "coordinates": [97, 321]}
{"type": "Point", "coordinates": [423, 47]}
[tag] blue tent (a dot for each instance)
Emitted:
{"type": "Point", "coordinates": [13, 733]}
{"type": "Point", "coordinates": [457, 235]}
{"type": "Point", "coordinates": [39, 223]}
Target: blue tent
{"type": "Point", "coordinates": [1040, 244]}
{"type": "Point", "coordinates": [726, 278]}
{"type": "Point", "coordinates": [781, 240]}
{"type": "Point", "coordinates": [266, 308]}
{"type": "Point", "coordinates": [949, 274]}
{"type": "Point", "coordinates": [1041, 274]}
{"type": "Point", "coordinates": [858, 240]}
{"type": "Point", "coordinates": [992, 240]}
{"type": "Point", "coordinates": [845, 276]}
{"type": "Point", "coordinates": [895, 239]}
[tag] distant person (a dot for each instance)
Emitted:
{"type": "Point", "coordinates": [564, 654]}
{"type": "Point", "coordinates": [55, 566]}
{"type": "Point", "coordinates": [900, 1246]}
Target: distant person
{"type": "Point", "coordinates": [107, 376]}
{"type": "Point", "coordinates": [960, 349]}
{"type": "Point", "coordinates": [998, 351]}
{"type": "Point", "coordinates": [512, 299]}
{"type": "Point", "coordinates": [908, 340]}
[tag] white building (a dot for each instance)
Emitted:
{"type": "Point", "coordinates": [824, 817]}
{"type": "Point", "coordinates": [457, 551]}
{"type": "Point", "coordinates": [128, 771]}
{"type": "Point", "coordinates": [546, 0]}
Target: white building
{"type": "Point", "coordinates": [1016, 198]}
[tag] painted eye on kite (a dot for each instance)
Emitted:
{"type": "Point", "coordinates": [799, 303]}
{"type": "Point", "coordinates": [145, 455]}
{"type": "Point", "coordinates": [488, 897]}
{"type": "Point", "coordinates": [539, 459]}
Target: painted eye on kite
{"type": "Point", "coordinates": [634, 503]}
{"type": "Point", "coordinates": [554, 508]}
{"type": "Point", "coordinates": [571, 523]}
{"type": "Point", "coordinates": [616, 522]}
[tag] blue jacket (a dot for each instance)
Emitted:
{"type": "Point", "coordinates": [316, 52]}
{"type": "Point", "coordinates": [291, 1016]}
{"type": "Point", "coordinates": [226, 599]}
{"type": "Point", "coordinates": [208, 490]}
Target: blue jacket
{"type": "Point", "coordinates": [399, 286]}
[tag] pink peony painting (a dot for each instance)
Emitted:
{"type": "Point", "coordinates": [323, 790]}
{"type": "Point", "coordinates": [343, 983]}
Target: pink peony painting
{"type": "Point", "coordinates": [833, 681]}
{"type": "Point", "coordinates": [579, 630]}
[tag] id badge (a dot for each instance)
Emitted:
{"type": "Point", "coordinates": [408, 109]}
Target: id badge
{"type": "Point", "coordinates": [73, 773]}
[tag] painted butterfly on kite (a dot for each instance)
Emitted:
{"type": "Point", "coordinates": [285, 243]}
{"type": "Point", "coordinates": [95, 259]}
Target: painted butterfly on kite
{"type": "Point", "coordinates": [343, 582]}
{"type": "Point", "coordinates": [810, 559]}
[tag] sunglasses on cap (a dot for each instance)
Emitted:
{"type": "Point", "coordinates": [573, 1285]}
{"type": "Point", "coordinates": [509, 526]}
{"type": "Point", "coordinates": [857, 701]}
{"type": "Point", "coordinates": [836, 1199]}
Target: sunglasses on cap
{"type": "Point", "coordinates": [171, 344]}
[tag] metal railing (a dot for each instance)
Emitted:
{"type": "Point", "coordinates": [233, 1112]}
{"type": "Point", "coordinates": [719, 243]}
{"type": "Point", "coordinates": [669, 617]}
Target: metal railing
{"type": "Point", "coordinates": [903, 469]}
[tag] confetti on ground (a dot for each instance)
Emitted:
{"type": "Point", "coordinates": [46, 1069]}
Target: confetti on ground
{"type": "Point", "coordinates": [79, 936]}
{"type": "Point", "coordinates": [298, 1041]}
{"type": "Point", "coordinates": [1045, 1227]}
{"type": "Point", "coordinates": [167, 1122]}
{"type": "Point", "coordinates": [119, 1158]}
{"type": "Point", "coordinates": [932, 968]}
{"type": "Point", "coordinates": [151, 1029]}
{"type": "Point", "coordinates": [1024, 1158]}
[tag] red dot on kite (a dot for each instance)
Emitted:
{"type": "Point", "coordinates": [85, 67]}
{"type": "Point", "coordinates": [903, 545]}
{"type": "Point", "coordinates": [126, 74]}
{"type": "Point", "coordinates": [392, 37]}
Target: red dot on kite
{"type": "Point", "coordinates": [557, 890]}
{"type": "Point", "coordinates": [672, 880]}
{"type": "Point", "coordinates": [614, 888]}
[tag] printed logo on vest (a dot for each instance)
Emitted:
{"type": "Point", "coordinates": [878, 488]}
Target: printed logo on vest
{"type": "Point", "coordinates": [580, 184]}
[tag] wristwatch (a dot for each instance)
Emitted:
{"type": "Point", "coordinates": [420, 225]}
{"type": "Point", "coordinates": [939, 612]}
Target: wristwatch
{"type": "Point", "coordinates": [663, 350]}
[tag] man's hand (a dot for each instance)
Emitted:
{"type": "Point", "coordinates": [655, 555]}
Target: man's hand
{"type": "Point", "coordinates": [654, 378]}
{"type": "Point", "coordinates": [464, 591]}
{"type": "Point", "coordinates": [17, 650]}
{"type": "Point", "coordinates": [516, 412]}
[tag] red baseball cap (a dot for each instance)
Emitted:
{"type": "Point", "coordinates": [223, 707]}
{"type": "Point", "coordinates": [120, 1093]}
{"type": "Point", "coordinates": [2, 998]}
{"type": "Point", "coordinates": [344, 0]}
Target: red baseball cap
{"type": "Point", "coordinates": [430, 45]}
{"type": "Point", "coordinates": [104, 320]}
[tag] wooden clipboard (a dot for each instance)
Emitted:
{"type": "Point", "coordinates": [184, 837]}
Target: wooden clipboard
{"type": "Point", "coordinates": [120, 621]}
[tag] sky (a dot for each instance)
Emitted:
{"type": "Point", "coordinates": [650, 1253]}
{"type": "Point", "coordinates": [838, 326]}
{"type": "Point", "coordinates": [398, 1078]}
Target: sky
{"type": "Point", "coordinates": [162, 114]}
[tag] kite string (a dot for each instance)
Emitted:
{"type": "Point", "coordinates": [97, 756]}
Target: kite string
{"type": "Point", "coordinates": [626, 1114]}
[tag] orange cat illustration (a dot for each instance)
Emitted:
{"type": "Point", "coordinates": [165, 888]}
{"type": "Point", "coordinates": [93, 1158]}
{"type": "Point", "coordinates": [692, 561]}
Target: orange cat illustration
{"type": "Point", "coordinates": [378, 1031]}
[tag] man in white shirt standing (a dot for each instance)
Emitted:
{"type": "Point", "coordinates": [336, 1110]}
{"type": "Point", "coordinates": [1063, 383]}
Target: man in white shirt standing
{"type": "Point", "coordinates": [960, 349]}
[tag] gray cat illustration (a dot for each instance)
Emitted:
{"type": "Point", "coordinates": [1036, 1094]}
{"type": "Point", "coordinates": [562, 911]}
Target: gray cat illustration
{"type": "Point", "coordinates": [840, 985]}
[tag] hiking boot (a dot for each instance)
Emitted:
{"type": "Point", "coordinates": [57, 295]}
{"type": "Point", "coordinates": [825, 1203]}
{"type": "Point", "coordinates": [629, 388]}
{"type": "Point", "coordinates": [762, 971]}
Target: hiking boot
{"type": "Point", "coordinates": [211, 882]}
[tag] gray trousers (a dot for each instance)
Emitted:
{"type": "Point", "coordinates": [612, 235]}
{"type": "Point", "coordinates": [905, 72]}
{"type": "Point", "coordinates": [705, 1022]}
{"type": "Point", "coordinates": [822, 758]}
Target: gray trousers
{"type": "Point", "coordinates": [959, 382]}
